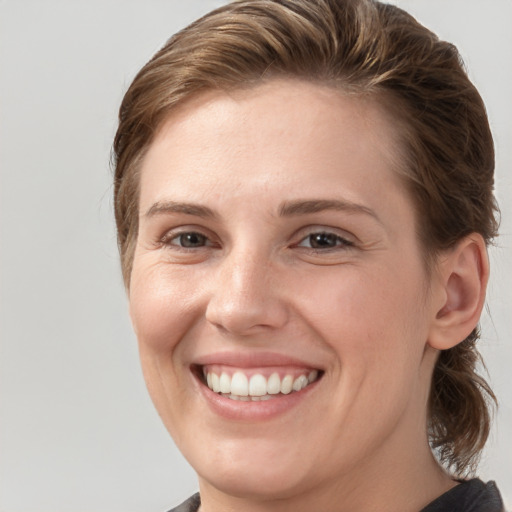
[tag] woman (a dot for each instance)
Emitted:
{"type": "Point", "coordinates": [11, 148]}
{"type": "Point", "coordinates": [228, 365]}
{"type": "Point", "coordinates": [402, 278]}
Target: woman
{"type": "Point", "coordinates": [303, 197]}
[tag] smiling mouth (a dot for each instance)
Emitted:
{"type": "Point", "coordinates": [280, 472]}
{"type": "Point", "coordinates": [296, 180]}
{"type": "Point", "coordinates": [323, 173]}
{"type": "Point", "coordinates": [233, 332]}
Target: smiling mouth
{"type": "Point", "coordinates": [253, 385]}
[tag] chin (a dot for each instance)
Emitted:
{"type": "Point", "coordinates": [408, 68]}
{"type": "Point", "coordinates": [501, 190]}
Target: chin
{"type": "Point", "coordinates": [256, 481]}
{"type": "Point", "coordinates": [255, 469]}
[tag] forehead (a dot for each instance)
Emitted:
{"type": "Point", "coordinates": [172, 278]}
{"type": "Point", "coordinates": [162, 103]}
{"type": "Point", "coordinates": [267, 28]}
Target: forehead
{"type": "Point", "coordinates": [272, 135]}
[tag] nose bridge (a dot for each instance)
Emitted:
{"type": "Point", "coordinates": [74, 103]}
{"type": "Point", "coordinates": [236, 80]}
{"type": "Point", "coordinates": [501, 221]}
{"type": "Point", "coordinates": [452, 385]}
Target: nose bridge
{"type": "Point", "coordinates": [245, 271]}
{"type": "Point", "coordinates": [244, 294]}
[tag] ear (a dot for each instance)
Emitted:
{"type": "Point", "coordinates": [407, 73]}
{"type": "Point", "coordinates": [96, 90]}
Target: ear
{"type": "Point", "coordinates": [461, 281]}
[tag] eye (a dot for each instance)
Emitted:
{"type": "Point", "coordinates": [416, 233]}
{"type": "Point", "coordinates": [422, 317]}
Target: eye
{"type": "Point", "coordinates": [187, 240]}
{"type": "Point", "coordinates": [324, 240]}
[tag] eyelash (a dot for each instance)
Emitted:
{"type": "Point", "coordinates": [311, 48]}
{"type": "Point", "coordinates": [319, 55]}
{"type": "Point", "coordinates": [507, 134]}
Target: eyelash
{"type": "Point", "coordinates": [340, 242]}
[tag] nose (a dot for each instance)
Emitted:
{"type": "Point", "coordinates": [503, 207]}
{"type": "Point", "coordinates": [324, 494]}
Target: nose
{"type": "Point", "coordinates": [245, 295]}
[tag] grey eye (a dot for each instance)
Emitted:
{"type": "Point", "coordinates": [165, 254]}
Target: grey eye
{"type": "Point", "coordinates": [191, 240]}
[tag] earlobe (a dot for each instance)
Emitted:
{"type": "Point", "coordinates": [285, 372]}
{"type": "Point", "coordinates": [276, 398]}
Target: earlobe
{"type": "Point", "coordinates": [463, 275]}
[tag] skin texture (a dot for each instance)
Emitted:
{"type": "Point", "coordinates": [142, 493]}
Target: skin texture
{"type": "Point", "coordinates": [364, 312]}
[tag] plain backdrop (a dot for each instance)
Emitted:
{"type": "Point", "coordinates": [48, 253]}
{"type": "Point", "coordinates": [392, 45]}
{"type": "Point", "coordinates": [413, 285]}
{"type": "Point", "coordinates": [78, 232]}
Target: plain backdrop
{"type": "Point", "coordinates": [77, 429]}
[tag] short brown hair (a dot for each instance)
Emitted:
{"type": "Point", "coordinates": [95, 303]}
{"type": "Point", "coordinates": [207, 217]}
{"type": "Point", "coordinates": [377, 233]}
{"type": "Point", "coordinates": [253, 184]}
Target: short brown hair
{"type": "Point", "coordinates": [358, 47]}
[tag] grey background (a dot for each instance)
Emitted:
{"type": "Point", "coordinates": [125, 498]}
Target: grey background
{"type": "Point", "coordinates": [77, 429]}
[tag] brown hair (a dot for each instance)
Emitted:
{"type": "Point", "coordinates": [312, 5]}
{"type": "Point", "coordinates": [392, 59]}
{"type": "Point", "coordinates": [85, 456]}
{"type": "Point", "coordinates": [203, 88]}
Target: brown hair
{"type": "Point", "coordinates": [359, 47]}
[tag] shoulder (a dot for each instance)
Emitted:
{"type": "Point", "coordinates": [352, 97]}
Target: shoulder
{"type": "Point", "coordinates": [190, 505]}
{"type": "Point", "coordinates": [469, 496]}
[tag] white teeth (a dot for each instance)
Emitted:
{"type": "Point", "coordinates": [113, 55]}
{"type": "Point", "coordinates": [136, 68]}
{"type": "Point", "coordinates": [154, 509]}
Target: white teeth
{"type": "Point", "coordinates": [215, 383]}
{"type": "Point", "coordinates": [240, 387]}
{"type": "Point", "coordinates": [287, 385]}
{"type": "Point", "coordinates": [300, 383]}
{"type": "Point", "coordinates": [247, 398]}
{"type": "Point", "coordinates": [225, 383]}
{"type": "Point", "coordinates": [273, 384]}
{"type": "Point", "coordinates": [257, 385]}
{"type": "Point", "coordinates": [239, 384]}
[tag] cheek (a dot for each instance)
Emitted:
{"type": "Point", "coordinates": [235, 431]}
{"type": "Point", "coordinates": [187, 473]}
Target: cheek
{"type": "Point", "coordinates": [373, 321]}
{"type": "Point", "coordinates": [162, 313]}
{"type": "Point", "coordinates": [371, 303]}
{"type": "Point", "coordinates": [162, 307]}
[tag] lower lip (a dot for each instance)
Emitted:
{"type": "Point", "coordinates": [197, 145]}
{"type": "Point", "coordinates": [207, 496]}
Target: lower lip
{"type": "Point", "coordinates": [253, 411]}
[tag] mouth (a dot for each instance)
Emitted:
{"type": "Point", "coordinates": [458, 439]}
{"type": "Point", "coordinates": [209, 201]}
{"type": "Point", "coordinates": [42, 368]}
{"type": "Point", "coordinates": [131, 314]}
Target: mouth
{"type": "Point", "coordinates": [256, 384]}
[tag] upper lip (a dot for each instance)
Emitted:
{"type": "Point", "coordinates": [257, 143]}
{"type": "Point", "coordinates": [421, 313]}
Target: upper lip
{"type": "Point", "coordinates": [253, 360]}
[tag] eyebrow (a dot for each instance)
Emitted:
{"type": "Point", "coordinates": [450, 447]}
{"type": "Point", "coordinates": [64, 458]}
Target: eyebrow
{"type": "Point", "coordinates": [286, 209]}
{"type": "Point", "coordinates": [303, 207]}
{"type": "Point", "coordinates": [164, 207]}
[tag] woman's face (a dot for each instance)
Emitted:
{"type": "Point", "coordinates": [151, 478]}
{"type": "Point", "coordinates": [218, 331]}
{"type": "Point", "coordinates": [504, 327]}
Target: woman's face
{"type": "Point", "coordinates": [277, 250]}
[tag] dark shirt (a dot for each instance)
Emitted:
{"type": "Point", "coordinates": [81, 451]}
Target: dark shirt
{"type": "Point", "coordinates": [469, 496]}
